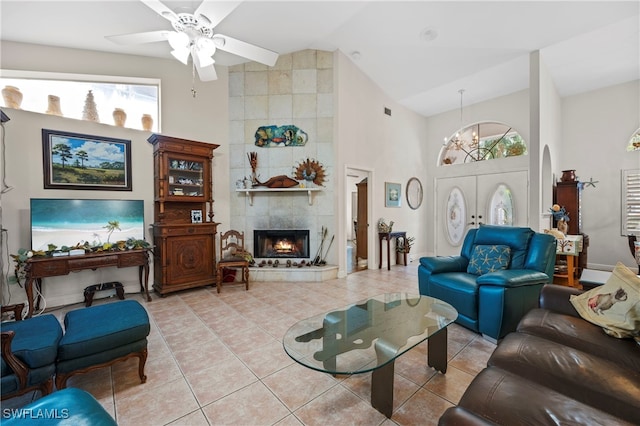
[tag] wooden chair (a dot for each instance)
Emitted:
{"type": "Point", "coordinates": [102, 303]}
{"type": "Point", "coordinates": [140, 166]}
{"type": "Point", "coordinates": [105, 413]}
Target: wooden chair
{"type": "Point", "coordinates": [232, 256]}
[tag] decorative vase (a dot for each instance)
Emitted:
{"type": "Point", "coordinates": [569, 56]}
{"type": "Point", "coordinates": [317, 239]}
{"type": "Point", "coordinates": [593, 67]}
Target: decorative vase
{"type": "Point", "coordinates": [90, 112]}
{"type": "Point", "coordinates": [119, 117]}
{"type": "Point", "coordinates": [12, 97]}
{"type": "Point", "coordinates": [147, 122]}
{"type": "Point", "coordinates": [54, 106]}
{"type": "Point", "coordinates": [568, 176]}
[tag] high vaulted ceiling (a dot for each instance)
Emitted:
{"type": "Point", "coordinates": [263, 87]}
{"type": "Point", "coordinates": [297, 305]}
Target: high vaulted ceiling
{"type": "Point", "coordinates": [480, 46]}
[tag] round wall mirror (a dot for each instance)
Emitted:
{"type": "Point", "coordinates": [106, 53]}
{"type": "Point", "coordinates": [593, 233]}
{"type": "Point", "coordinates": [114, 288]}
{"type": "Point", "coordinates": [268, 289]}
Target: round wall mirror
{"type": "Point", "coordinates": [414, 193]}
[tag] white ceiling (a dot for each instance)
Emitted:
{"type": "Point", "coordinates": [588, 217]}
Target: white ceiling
{"type": "Point", "coordinates": [482, 47]}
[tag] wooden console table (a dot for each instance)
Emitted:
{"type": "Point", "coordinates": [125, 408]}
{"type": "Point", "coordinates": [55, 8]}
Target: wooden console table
{"type": "Point", "coordinates": [38, 268]}
{"type": "Point", "coordinates": [388, 236]}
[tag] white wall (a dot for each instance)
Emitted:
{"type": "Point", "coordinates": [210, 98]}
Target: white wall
{"type": "Point", "coordinates": [204, 118]}
{"type": "Point", "coordinates": [393, 147]}
{"type": "Point", "coordinates": [596, 129]}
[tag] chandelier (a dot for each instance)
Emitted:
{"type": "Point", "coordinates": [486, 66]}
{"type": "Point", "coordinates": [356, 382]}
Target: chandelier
{"type": "Point", "coordinates": [468, 141]}
{"type": "Point", "coordinates": [457, 141]}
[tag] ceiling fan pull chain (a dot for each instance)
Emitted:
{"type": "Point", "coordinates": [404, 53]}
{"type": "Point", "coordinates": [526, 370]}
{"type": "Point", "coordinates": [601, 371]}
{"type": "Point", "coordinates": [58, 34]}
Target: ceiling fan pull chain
{"type": "Point", "coordinates": [193, 79]}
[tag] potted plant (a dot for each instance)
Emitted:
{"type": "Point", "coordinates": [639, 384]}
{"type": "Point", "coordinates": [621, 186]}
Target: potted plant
{"type": "Point", "coordinates": [403, 246]}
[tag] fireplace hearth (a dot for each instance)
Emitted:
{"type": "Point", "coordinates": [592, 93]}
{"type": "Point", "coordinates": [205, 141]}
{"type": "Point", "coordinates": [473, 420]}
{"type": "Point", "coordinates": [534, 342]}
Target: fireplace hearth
{"type": "Point", "coordinates": [281, 243]}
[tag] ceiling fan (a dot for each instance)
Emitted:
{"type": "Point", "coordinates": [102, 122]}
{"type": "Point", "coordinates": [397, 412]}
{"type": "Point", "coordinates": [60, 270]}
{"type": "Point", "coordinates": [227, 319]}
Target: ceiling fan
{"type": "Point", "coordinates": [193, 35]}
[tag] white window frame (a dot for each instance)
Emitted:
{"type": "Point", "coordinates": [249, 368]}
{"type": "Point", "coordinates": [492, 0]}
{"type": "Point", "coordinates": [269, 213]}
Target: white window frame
{"type": "Point", "coordinates": [89, 78]}
{"type": "Point", "coordinates": [630, 211]}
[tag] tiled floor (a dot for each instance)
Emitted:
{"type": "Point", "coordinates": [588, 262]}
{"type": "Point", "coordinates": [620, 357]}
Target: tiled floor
{"type": "Point", "coordinates": [217, 359]}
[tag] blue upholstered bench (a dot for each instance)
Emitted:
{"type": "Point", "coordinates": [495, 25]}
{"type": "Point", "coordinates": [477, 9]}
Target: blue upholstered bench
{"type": "Point", "coordinates": [100, 336]}
{"type": "Point", "coordinates": [69, 407]}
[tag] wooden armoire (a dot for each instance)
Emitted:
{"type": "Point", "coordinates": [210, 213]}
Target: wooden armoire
{"type": "Point", "coordinates": [184, 233]}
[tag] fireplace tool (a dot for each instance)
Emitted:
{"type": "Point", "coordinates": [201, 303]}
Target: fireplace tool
{"type": "Point", "coordinates": [316, 260]}
{"type": "Point", "coordinates": [324, 258]}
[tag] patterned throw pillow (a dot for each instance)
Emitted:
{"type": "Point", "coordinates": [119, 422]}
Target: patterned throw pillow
{"type": "Point", "coordinates": [487, 258]}
{"type": "Point", "coordinates": [615, 305]}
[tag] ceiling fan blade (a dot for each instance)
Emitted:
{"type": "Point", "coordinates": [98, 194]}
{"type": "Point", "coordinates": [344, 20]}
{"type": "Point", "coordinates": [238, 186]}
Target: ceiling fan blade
{"type": "Point", "coordinates": [160, 8]}
{"type": "Point", "coordinates": [215, 11]}
{"type": "Point", "coordinates": [246, 50]}
{"type": "Point", "coordinates": [139, 38]}
{"type": "Point", "coordinates": [207, 73]}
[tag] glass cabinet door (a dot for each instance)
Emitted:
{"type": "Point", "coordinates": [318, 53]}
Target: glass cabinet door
{"type": "Point", "coordinates": [185, 177]}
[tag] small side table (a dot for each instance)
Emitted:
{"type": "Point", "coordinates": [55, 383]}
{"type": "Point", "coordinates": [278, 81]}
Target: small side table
{"type": "Point", "coordinates": [569, 247]}
{"type": "Point", "coordinates": [388, 236]}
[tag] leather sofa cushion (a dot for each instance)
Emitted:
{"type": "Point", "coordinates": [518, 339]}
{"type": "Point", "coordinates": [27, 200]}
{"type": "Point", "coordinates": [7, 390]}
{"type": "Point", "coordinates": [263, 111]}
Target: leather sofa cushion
{"type": "Point", "coordinates": [507, 399]}
{"type": "Point", "coordinates": [35, 342]}
{"type": "Point", "coordinates": [514, 237]}
{"type": "Point", "coordinates": [101, 328]}
{"type": "Point", "coordinates": [459, 289]}
{"type": "Point", "coordinates": [584, 377]}
{"type": "Point", "coordinates": [581, 335]}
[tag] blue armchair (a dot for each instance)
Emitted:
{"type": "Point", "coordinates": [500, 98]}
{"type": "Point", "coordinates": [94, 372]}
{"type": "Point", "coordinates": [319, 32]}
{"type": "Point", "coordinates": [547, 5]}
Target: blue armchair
{"type": "Point", "coordinates": [29, 349]}
{"type": "Point", "coordinates": [496, 278]}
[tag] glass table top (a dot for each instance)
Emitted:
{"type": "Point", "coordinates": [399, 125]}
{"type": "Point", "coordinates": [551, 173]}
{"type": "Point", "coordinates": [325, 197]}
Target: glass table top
{"type": "Point", "coordinates": [366, 335]}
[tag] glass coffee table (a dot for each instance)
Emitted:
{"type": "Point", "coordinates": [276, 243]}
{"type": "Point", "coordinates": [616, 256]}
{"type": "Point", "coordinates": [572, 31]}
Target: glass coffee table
{"type": "Point", "coordinates": [369, 336]}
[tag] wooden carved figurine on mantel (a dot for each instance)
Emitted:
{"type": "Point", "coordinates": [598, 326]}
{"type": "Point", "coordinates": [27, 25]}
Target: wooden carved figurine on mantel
{"type": "Point", "coordinates": [280, 181]}
{"type": "Point", "coordinates": [253, 162]}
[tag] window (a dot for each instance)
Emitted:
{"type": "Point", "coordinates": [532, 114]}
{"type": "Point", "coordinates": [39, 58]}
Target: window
{"type": "Point", "coordinates": [631, 202]}
{"type": "Point", "coordinates": [634, 142]}
{"type": "Point", "coordinates": [482, 141]}
{"type": "Point", "coordinates": [136, 96]}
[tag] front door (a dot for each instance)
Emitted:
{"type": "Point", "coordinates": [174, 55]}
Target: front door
{"type": "Point", "coordinates": [466, 202]}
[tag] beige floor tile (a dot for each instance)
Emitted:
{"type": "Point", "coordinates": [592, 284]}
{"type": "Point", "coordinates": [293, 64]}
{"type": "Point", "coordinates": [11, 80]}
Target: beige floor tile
{"type": "Point", "coordinates": [423, 408]}
{"type": "Point", "coordinates": [360, 384]}
{"type": "Point", "coordinates": [267, 359]}
{"type": "Point", "coordinates": [338, 406]}
{"type": "Point", "coordinates": [451, 385]}
{"type": "Point", "coordinates": [296, 385]}
{"type": "Point", "coordinates": [473, 358]}
{"type": "Point", "coordinates": [157, 406]}
{"type": "Point", "coordinates": [252, 405]}
{"type": "Point", "coordinates": [219, 380]}
{"type": "Point", "coordinates": [197, 418]}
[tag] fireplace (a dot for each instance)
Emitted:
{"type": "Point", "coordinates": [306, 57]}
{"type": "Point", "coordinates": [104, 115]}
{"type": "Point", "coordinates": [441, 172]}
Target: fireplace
{"type": "Point", "coordinates": [283, 243]}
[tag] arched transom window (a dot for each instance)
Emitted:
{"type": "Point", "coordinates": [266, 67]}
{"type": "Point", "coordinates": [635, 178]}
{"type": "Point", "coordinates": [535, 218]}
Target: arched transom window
{"type": "Point", "coordinates": [482, 141]}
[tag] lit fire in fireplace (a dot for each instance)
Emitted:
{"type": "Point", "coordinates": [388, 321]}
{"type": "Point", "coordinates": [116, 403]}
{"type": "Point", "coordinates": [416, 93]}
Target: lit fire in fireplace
{"type": "Point", "coordinates": [284, 246]}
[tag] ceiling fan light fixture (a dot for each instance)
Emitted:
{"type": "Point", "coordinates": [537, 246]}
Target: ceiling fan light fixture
{"type": "Point", "coordinates": [181, 54]}
{"type": "Point", "coordinates": [219, 41]}
{"type": "Point", "coordinates": [178, 40]}
{"type": "Point", "coordinates": [205, 60]}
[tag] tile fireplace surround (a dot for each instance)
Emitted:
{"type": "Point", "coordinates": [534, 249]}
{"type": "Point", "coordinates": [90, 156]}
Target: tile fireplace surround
{"type": "Point", "coordinates": [298, 90]}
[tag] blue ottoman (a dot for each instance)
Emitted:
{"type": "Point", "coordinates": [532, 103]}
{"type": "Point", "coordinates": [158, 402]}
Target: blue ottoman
{"type": "Point", "coordinates": [66, 407]}
{"type": "Point", "coordinates": [100, 336]}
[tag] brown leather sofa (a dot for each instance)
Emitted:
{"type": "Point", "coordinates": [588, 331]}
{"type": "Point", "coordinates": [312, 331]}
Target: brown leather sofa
{"type": "Point", "coordinates": [555, 369]}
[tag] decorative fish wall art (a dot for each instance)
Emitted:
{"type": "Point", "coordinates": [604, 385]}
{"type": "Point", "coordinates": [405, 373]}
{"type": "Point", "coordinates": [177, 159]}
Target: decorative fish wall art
{"type": "Point", "coordinates": [277, 136]}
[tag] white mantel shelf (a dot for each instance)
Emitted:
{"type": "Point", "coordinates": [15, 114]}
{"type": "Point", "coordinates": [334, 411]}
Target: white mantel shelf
{"type": "Point", "coordinates": [249, 192]}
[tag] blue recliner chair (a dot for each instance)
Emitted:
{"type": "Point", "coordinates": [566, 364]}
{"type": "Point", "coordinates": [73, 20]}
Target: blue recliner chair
{"type": "Point", "coordinates": [496, 278]}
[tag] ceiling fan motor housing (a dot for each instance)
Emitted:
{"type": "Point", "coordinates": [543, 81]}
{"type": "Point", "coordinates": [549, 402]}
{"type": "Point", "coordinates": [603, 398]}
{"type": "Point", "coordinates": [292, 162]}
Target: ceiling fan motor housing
{"type": "Point", "coordinates": [192, 26]}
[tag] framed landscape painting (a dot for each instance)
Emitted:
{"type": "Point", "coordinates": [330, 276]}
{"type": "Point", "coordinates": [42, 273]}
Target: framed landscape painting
{"type": "Point", "coordinates": [77, 161]}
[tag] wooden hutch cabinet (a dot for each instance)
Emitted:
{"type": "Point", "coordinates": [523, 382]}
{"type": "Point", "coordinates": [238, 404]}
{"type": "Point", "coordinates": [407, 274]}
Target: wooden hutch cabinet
{"type": "Point", "coordinates": [569, 195]}
{"type": "Point", "coordinates": [184, 233]}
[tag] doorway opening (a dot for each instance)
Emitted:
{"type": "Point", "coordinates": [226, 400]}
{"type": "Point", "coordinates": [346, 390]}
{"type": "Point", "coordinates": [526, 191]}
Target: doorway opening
{"type": "Point", "coordinates": [358, 210]}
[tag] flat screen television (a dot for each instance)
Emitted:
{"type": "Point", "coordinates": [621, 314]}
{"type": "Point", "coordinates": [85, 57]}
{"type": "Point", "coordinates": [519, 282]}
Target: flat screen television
{"type": "Point", "coordinates": [69, 222]}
